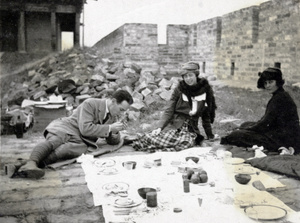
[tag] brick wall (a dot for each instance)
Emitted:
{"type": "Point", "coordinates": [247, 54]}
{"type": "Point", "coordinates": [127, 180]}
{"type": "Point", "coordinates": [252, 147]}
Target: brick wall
{"type": "Point", "coordinates": [135, 42]}
{"type": "Point", "coordinates": [236, 45]}
{"type": "Point", "coordinates": [280, 35]}
{"type": "Point", "coordinates": [112, 45]}
{"type": "Point", "coordinates": [203, 42]}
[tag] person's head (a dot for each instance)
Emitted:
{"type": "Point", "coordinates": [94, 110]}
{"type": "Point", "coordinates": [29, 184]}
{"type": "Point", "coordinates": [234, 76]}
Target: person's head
{"type": "Point", "coordinates": [189, 72]}
{"type": "Point", "coordinates": [270, 79]}
{"type": "Point", "coordinates": [120, 102]}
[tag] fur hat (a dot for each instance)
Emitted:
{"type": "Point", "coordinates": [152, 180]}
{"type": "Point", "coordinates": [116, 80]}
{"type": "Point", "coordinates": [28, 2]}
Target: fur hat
{"type": "Point", "coordinates": [190, 67]}
{"type": "Point", "coordinates": [271, 73]}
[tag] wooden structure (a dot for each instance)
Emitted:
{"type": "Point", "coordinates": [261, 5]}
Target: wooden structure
{"type": "Point", "coordinates": [36, 25]}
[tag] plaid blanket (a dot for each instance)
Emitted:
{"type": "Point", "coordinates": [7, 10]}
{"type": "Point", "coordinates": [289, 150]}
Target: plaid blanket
{"type": "Point", "coordinates": [170, 140]}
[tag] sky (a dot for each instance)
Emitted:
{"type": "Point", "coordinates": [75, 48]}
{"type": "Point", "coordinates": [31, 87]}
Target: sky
{"type": "Point", "coordinates": [101, 17]}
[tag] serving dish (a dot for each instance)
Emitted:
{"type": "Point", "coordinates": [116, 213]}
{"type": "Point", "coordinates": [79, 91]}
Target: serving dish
{"type": "Point", "coordinates": [265, 212]}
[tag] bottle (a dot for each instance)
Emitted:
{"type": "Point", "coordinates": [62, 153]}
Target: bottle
{"type": "Point", "coordinates": [19, 127]}
{"type": "Point", "coordinates": [186, 185]}
{"type": "Point", "coordinates": [69, 109]}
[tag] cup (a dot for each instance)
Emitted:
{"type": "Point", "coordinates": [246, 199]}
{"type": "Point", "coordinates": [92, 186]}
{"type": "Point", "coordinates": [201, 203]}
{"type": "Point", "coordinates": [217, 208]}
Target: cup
{"type": "Point", "coordinates": [157, 162]}
{"type": "Point", "coordinates": [128, 165]}
{"type": "Point", "coordinates": [151, 199]}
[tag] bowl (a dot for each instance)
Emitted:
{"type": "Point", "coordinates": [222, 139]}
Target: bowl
{"type": "Point", "coordinates": [194, 158]}
{"type": "Point", "coordinates": [129, 163]}
{"type": "Point", "coordinates": [144, 190]}
{"type": "Point", "coordinates": [242, 178]}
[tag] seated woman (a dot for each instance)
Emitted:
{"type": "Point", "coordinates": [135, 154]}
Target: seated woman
{"type": "Point", "coordinates": [192, 98]}
{"type": "Point", "coordinates": [279, 127]}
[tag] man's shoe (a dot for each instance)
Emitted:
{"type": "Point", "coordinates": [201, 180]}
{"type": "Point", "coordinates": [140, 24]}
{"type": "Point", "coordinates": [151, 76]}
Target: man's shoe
{"type": "Point", "coordinates": [30, 170]}
{"type": "Point", "coordinates": [11, 169]}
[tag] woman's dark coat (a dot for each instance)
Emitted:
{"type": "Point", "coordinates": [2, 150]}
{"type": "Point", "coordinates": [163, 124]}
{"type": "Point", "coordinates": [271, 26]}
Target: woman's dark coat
{"type": "Point", "coordinates": [279, 125]}
{"type": "Point", "coordinates": [178, 108]}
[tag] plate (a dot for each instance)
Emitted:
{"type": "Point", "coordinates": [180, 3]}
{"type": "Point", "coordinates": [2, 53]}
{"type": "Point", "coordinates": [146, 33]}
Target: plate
{"type": "Point", "coordinates": [56, 102]}
{"type": "Point", "coordinates": [129, 205]}
{"type": "Point", "coordinates": [124, 201]}
{"type": "Point", "coordinates": [108, 171]}
{"type": "Point", "coordinates": [265, 212]}
{"type": "Point", "coordinates": [245, 170]}
{"type": "Point", "coordinates": [40, 102]}
{"type": "Point", "coordinates": [116, 186]}
{"type": "Point", "coordinates": [104, 162]}
{"type": "Point", "coordinates": [202, 184]}
{"type": "Point", "coordinates": [235, 161]}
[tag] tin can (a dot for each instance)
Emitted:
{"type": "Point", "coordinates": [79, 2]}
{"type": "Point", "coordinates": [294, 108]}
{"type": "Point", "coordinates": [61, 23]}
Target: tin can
{"type": "Point", "coordinates": [186, 186]}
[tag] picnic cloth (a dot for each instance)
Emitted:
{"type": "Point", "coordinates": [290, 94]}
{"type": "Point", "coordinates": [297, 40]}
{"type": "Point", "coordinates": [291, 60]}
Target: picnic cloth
{"type": "Point", "coordinates": [283, 164]}
{"type": "Point", "coordinates": [219, 203]}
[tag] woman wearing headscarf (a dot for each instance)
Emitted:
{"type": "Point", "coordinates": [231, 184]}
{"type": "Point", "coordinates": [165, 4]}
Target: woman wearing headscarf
{"type": "Point", "coordinates": [279, 127]}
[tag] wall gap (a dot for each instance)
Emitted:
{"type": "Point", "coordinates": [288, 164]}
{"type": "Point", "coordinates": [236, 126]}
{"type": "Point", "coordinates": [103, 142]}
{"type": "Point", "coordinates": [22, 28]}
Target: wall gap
{"type": "Point", "coordinates": [232, 68]}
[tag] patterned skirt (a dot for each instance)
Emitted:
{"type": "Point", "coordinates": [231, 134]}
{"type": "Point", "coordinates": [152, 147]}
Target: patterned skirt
{"type": "Point", "coordinates": [170, 140]}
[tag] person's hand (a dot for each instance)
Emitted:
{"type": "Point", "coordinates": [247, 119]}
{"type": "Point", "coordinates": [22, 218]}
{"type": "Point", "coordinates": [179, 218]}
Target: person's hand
{"type": "Point", "coordinates": [191, 113]}
{"type": "Point", "coordinates": [118, 126]}
{"type": "Point", "coordinates": [156, 131]}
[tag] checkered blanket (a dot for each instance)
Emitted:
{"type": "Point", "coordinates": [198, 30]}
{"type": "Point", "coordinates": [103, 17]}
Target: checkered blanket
{"type": "Point", "coordinates": [170, 140]}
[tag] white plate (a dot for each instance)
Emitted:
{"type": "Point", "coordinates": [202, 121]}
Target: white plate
{"type": "Point", "coordinates": [265, 212]}
{"type": "Point", "coordinates": [56, 102]}
{"type": "Point", "coordinates": [235, 161]}
{"type": "Point", "coordinates": [40, 102]}
{"type": "Point", "coordinates": [116, 186]}
{"type": "Point", "coordinates": [108, 171]}
{"type": "Point", "coordinates": [245, 170]}
{"type": "Point", "coordinates": [132, 204]}
{"type": "Point", "coordinates": [202, 184]}
{"type": "Point", "coordinates": [104, 163]}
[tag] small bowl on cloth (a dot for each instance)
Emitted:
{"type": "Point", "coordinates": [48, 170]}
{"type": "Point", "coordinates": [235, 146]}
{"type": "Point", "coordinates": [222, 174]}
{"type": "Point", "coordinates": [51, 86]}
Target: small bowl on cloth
{"type": "Point", "coordinates": [193, 158]}
{"type": "Point", "coordinates": [144, 190]}
{"type": "Point", "coordinates": [242, 178]}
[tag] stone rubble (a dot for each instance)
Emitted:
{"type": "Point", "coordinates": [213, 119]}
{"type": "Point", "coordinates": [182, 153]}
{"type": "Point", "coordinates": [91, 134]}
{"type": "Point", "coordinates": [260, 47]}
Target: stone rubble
{"type": "Point", "coordinates": [80, 74]}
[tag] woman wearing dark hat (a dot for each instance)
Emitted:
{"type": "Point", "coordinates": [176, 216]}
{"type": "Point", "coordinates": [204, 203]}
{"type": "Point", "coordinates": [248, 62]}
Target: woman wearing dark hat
{"type": "Point", "coordinates": [279, 127]}
{"type": "Point", "coordinates": [192, 98]}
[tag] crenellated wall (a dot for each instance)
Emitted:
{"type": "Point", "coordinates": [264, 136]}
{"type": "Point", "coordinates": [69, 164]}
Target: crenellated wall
{"type": "Point", "coordinates": [236, 45]}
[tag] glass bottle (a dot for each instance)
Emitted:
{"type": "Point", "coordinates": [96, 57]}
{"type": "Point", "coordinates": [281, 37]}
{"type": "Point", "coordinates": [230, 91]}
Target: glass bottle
{"type": "Point", "coordinates": [19, 127]}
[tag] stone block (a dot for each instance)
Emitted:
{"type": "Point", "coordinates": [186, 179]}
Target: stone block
{"type": "Point", "coordinates": [39, 94]}
{"type": "Point", "coordinates": [138, 106]}
{"type": "Point", "coordinates": [97, 77]}
{"type": "Point", "coordinates": [165, 83]}
{"type": "Point", "coordinates": [31, 73]}
{"type": "Point", "coordinates": [136, 68]}
{"type": "Point", "coordinates": [137, 96]}
{"type": "Point", "coordinates": [141, 86]}
{"type": "Point", "coordinates": [166, 95]}
{"type": "Point", "coordinates": [111, 77]}
{"type": "Point", "coordinates": [149, 99]}
{"type": "Point", "coordinates": [146, 92]}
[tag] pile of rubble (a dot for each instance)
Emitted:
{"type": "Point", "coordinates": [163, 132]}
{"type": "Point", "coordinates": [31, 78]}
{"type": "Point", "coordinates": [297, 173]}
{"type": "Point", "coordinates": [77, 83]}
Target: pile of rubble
{"type": "Point", "coordinates": [80, 73]}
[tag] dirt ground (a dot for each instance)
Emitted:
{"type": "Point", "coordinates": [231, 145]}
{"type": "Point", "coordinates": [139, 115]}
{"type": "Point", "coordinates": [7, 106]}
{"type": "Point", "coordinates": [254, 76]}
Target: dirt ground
{"type": "Point", "coordinates": [62, 195]}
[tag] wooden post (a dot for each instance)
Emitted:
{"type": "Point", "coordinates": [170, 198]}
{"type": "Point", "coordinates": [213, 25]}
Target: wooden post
{"type": "Point", "coordinates": [21, 33]}
{"type": "Point", "coordinates": [53, 32]}
{"type": "Point", "coordinates": [77, 30]}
